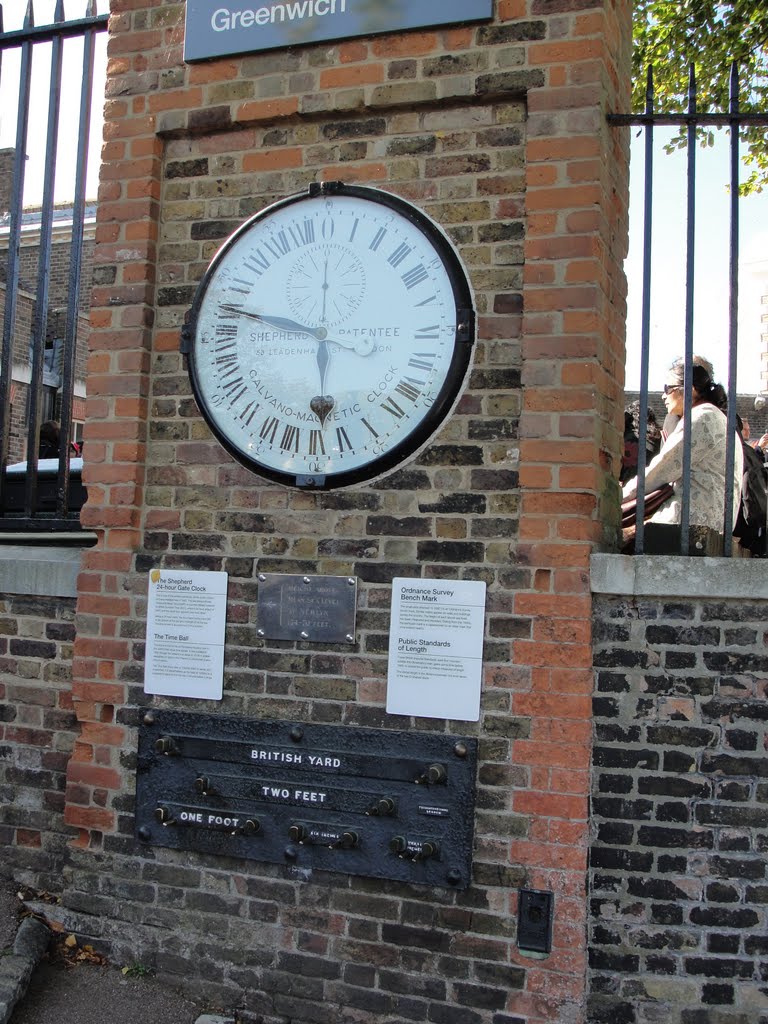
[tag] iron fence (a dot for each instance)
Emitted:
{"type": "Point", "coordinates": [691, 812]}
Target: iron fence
{"type": "Point", "coordinates": [37, 495]}
{"type": "Point", "coordinates": [691, 120]}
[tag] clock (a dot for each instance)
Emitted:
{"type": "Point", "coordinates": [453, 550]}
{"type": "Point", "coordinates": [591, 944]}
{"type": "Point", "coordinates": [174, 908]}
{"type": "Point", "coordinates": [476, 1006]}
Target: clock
{"type": "Point", "coordinates": [330, 336]}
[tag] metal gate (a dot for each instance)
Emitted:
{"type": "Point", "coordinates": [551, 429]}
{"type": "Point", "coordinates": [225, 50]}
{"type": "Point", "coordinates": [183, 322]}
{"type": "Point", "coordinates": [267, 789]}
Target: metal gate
{"type": "Point", "coordinates": [691, 120]}
{"type": "Point", "coordinates": [42, 354]}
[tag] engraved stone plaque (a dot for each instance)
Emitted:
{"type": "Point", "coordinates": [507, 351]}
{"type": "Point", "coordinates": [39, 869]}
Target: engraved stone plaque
{"type": "Point", "coordinates": [316, 609]}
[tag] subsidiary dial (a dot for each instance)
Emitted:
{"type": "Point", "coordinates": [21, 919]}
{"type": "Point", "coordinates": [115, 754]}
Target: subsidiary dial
{"type": "Point", "coordinates": [326, 285]}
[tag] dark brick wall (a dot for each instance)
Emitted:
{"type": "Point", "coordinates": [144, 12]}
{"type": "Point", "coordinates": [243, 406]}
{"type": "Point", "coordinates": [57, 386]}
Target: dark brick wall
{"type": "Point", "coordinates": [680, 812]}
{"type": "Point", "coordinates": [37, 734]}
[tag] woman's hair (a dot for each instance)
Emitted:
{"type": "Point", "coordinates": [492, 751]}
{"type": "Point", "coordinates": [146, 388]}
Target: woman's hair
{"type": "Point", "coordinates": [633, 412]}
{"type": "Point", "coordinates": [703, 381]}
{"type": "Point", "coordinates": [50, 432]}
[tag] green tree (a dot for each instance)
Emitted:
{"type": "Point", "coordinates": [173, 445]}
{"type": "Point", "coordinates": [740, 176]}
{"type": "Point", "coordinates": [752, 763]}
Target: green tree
{"type": "Point", "coordinates": [669, 35]}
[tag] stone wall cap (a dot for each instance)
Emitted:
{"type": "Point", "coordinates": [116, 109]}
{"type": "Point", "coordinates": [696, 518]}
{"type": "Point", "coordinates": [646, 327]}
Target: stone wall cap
{"type": "Point", "coordinates": [42, 570]}
{"type": "Point", "coordinates": [678, 576]}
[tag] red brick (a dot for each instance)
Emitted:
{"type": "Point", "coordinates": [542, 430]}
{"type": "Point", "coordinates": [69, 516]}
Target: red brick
{"type": "Point", "coordinates": [213, 71]}
{"type": "Point", "coordinates": [274, 159]}
{"type": "Point", "coordinates": [544, 855]}
{"type": "Point", "coordinates": [562, 198]}
{"type": "Point", "coordinates": [93, 775]}
{"type": "Point", "coordinates": [564, 51]}
{"type": "Point", "coordinates": [352, 172]}
{"type": "Point", "coordinates": [28, 837]}
{"type": "Point", "coordinates": [346, 77]}
{"type": "Point", "coordinates": [509, 10]}
{"type": "Point", "coordinates": [267, 110]}
{"type": "Point", "coordinates": [352, 50]}
{"type": "Point", "coordinates": [89, 818]}
{"type": "Point", "coordinates": [405, 44]}
{"type": "Point", "coordinates": [552, 805]}
{"type": "Point", "coordinates": [532, 652]}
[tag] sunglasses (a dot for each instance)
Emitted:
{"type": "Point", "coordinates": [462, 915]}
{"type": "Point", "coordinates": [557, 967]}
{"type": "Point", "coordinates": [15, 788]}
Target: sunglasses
{"type": "Point", "coordinates": [669, 388]}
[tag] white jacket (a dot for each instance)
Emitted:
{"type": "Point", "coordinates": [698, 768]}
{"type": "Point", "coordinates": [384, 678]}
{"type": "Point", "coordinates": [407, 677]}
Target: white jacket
{"type": "Point", "coordinates": [708, 433]}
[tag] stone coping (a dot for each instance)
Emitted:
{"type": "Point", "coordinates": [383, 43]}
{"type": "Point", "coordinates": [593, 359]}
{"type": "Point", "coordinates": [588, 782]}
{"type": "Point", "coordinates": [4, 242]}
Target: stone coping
{"type": "Point", "coordinates": [40, 570]}
{"type": "Point", "coordinates": [51, 571]}
{"type": "Point", "coordinates": [678, 576]}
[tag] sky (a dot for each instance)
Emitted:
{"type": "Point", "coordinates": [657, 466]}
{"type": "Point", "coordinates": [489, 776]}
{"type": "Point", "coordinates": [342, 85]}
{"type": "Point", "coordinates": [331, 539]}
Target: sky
{"type": "Point", "coordinates": [711, 264]}
{"type": "Point", "coordinates": [13, 19]}
{"type": "Point", "coordinates": [711, 288]}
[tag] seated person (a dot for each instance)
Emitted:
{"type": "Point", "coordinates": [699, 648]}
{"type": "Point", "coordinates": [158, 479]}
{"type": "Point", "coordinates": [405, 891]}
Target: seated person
{"type": "Point", "coordinates": [632, 435]}
{"type": "Point", "coordinates": [629, 458]}
{"type": "Point", "coordinates": [49, 440]}
{"type": "Point", "coordinates": [708, 443]}
{"type": "Point", "coordinates": [751, 527]}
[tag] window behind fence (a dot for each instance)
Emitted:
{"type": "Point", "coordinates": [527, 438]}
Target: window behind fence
{"type": "Point", "coordinates": [46, 251]}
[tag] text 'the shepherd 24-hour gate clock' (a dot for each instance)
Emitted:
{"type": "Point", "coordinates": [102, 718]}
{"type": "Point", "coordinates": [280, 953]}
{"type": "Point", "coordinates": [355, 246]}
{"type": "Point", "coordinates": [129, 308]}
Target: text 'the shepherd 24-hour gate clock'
{"type": "Point", "coordinates": [330, 336]}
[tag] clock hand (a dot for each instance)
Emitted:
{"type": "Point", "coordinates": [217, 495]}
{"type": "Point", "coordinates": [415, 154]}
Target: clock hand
{"type": "Point", "coordinates": [280, 323]}
{"type": "Point", "coordinates": [322, 405]}
{"type": "Point", "coordinates": [362, 346]}
{"type": "Point", "coordinates": [323, 359]}
{"type": "Point", "coordinates": [325, 289]}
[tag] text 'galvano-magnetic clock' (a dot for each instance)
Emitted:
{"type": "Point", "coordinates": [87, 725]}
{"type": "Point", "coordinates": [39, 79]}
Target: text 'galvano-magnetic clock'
{"type": "Point", "coordinates": [330, 336]}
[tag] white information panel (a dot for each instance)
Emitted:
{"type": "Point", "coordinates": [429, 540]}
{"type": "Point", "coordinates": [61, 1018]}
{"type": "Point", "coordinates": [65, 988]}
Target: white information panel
{"type": "Point", "coordinates": [186, 615]}
{"type": "Point", "coordinates": [436, 648]}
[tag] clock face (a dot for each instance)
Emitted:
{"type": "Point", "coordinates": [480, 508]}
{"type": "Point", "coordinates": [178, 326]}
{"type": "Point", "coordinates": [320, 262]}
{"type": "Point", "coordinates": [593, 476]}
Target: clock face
{"type": "Point", "coordinates": [330, 336]}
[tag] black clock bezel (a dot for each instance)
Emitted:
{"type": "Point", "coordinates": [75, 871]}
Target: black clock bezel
{"type": "Point", "coordinates": [452, 384]}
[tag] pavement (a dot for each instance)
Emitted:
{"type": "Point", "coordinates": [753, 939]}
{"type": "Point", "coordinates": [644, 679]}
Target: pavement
{"type": "Point", "coordinates": [48, 978]}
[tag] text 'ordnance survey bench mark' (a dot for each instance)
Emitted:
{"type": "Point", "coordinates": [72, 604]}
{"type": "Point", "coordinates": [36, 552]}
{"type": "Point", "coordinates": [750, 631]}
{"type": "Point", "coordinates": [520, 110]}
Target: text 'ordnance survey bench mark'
{"type": "Point", "coordinates": [436, 648]}
{"type": "Point", "coordinates": [186, 616]}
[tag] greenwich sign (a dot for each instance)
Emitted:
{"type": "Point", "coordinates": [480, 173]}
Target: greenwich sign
{"type": "Point", "coordinates": [216, 28]}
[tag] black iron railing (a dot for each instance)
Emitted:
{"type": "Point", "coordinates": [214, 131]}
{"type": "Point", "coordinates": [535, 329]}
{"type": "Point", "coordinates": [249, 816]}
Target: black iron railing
{"type": "Point", "coordinates": [32, 497]}
{"type": "Point", "coordinates": [691, 120]}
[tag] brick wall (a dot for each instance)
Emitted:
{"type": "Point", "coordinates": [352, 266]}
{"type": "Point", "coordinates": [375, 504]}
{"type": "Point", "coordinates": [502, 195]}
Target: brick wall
{"type": "Point", "coordinates": [498, 131]}
{"type": "Point", "coordinates": [37, 734]}
{"type": "Point", "coordinates": [22, 332]}
{"type": "Point", "coordinates": [59, 267]}
{"type": "Point", "coordinates": [6, 176]}
{"type": "Point", "coordinates": [680, 809]}
{"type": "Point", "coordinates": [57, 305]}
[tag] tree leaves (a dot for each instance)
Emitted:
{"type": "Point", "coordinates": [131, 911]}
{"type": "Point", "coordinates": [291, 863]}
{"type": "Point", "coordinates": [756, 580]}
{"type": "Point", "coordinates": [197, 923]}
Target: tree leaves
{"type": "Point", "coordinates": [670, 35]}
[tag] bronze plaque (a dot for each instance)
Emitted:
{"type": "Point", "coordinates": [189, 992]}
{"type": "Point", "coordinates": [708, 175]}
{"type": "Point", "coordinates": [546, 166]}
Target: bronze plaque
{"type": "Point", "coordinates": [316, 609]}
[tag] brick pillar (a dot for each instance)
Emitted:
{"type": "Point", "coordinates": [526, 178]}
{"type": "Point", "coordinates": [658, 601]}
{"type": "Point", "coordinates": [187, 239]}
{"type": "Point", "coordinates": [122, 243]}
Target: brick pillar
{"type": "Point", "coordinates": [122, 315]}
{"type": "Point", "coordinates": [498, 131]}
{"type": "Point", "coordinates": [573, 375]}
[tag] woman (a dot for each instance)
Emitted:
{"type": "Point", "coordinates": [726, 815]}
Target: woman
{"type": "Point", "coordinates": [708, 442]}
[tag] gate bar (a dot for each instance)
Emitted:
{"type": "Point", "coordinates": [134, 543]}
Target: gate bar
{"type": "Point", "coordinates": [75, 258]}
{"type": "Point", "coordinates": [690, 259]}
{"type": "Point", "coordinates": [645, 341]}
{"type": "Point", "coordinates": [40, 317]}
{"type": "Point", "coordinates": [733, 325]}
{"type": "Point", "coordinates": [12, 276]}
